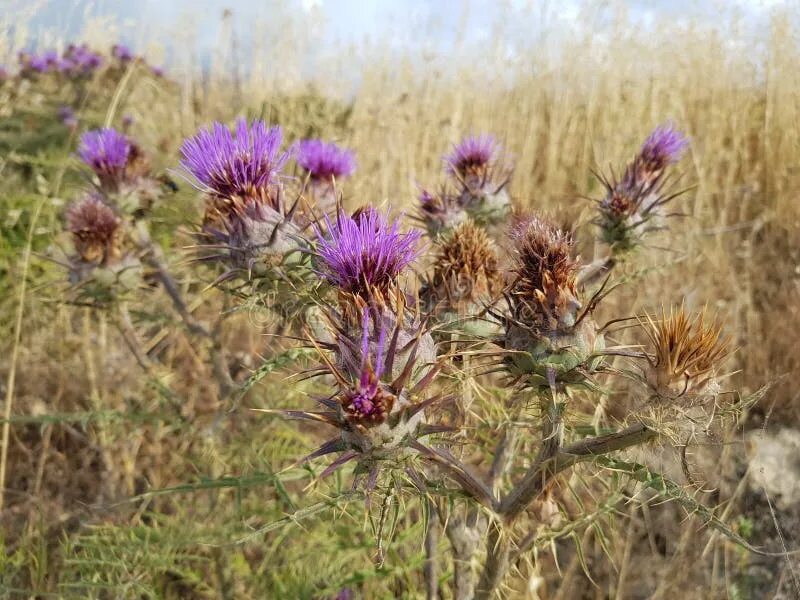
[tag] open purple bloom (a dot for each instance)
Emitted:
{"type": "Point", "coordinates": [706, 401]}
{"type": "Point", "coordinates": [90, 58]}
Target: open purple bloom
{"type": "Point", "coordinates": [122, 52]}
{"type": "Point", "coordinates": [365, 252]}
{"type": "Point", "coordinates": [44, 62]}
{"type": "Point", "coordinates": [67, 116]}
{"type": "Point", "coordinates": [106, 151]}
{"type": "Point", "coordinates": [665, 146]}
{"type": "Point", "coordinates": [472, 155]}
{"type": "Point", "coordinates": [325, 160]}
{"type": "Point", "coordinates": [239, 163]}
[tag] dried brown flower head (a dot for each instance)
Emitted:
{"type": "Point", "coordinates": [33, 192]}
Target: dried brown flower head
{"type": "Point", "coordinates": [95, 230]}
{"type": "Point", "coordinates": [546, 274]}
{"type": "Point", "coordinates": [687, 353]}
{"type": "Point", "coordinates": [466, 268]}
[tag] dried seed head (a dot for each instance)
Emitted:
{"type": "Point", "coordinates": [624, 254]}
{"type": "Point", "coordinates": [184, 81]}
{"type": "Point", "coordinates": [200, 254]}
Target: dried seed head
{"type": "Point", "coordinates": [95, 230]}
{"type": "Point", "coordinates": [549, 331]}
{"type": "Point", "coordinates": [687, 353]}
{"type": "Point", "coordinates": [466, 270]}
{"type": "Point", "coordinates": [546, 273]}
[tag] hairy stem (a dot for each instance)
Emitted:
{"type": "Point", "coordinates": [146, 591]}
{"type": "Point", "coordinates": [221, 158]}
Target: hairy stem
{"type": "Point", "coordinates": [543, 470]}
{"type": "Point", "coordinates": [430, 567]}
{"type": "Point", "coordinates": [498, 550]}
{"type": "Point", "coordinates": [464, 535]}
{"type": "Point", "coordinates": [552, 432]}
{"type": "Point", "coordinates": [154, 257]}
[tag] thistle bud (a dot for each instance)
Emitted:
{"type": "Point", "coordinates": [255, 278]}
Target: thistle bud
{"type": "Point", "coordinates": [380, 374]}
{"type": "Point", "coordinates": [633, 206]}
{"type": "Point", "coordinates": [466, 278]}
{"type": "Point", "coordinates": [326, 164]}
{"type": "Point", "coordinates": [440, 212]}
{"type": "Point", "coordinates": [549, 330]}
{"type": "Point", "coordinates": [686, 356]}
{"type": "Point", "coordinates": [476, 164]}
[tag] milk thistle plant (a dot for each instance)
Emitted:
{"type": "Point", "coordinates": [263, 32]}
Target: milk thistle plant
{"type": "Point", "coordinates": [407, 347]}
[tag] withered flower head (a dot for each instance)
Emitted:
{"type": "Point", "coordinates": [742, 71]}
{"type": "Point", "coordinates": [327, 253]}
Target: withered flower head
{"type": "Point", "coordinates": [546, 271]}
{"type": "Point", "coordinates": [687, 353]}
{"type": "Point", "coordinates": [95, 230]}
{"type": "Point", "coordinates": [549, 332]}
{"type": "Point", "coordinates": [466, 268]}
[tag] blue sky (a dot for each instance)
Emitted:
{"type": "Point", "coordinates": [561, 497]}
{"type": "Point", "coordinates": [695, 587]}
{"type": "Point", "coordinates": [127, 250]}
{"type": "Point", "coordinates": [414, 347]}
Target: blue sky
{"type": "Point", "coordinates": [333, 23]}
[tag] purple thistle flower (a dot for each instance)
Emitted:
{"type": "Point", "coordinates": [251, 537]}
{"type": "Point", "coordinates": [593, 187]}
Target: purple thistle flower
{"type": "Point", "coordinates": [664, 146]}
{"type": "Point", "coordinates": [365, 252]}
{"type": "Point", "coordinates": [67, 116]}
{"type": "Point", "coordinates": [472, 155]}
{"type": "Point", "coordinates": [106, 151]}
{"type": "Point", "coordinates": [239, 163]}
{"type": "Point", "coordinates": [368, 401]}
{"type": "Point", "coordinates": [157, 71]}
{"type": "Point", "coordinates": [42, 63]}
{"type": "Point", "coordinates": [122, 52]}
{"type": "Point", "coordinates": [325, 160]}
{"type": "Point", "coordinates": [83, 59]}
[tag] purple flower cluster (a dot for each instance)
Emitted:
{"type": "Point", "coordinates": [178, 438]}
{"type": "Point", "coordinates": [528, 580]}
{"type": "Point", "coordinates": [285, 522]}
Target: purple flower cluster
{"type": "Point", "coordinates": [325, 160]}
{"type": "Point", "coordinates": [76, 60]}
{"type": "Point", "coordinates": [365, 252]}
{"type": "Point", "coordinates": [81, 60]}
{"type": "Point", "coordinates": [664, 146]}
{"type": "Point", "coordinates": [229, 163]}
{"type": "Point", "coordinates": [106, 151]}
{"type": "Point", "coordinates": [473, 154]}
